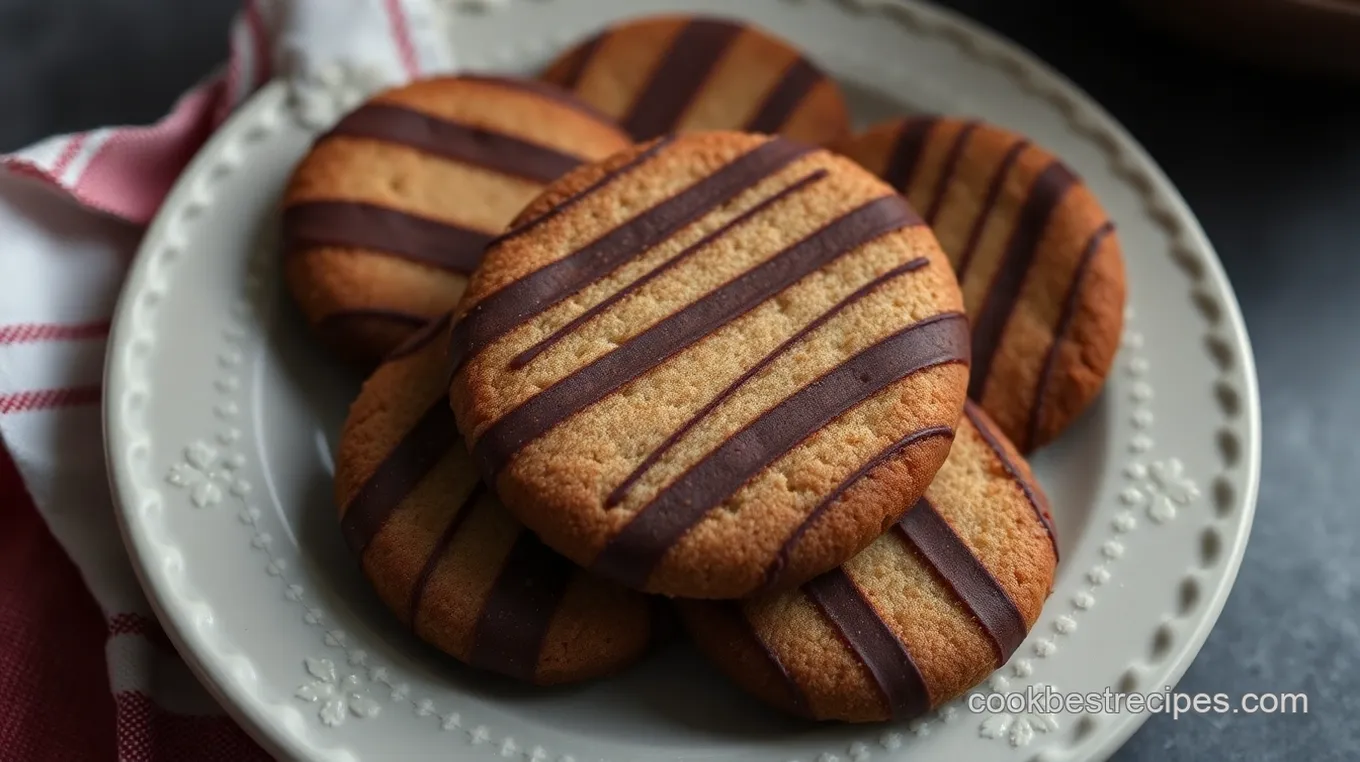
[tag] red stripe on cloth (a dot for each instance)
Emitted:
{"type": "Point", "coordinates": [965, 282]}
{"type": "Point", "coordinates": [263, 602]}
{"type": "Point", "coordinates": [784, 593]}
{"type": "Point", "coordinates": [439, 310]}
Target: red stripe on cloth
{"type": "Point", "coordinates": [142, 626]}
{"type": "Point", "coordinates": [131, 173]}
{"type": "Point", "coordinates": [26, 168]}
{"type": "Point", "coordinates": [401, 35]}
{"type": "Point", "coordinates": [30, 333]}
{"type": "Point", "coordinates": [54, 683]}
{"type": "Point", "coordinates": [149, 733]}
{"type": "Point", "coordinates": [48, 399]}
{"type": "Point", "coordinates": [69, 153]}
{"type": "Point", "coordinates": [231, 81]}
{"type": "Point", "coordinates": [259, 38]}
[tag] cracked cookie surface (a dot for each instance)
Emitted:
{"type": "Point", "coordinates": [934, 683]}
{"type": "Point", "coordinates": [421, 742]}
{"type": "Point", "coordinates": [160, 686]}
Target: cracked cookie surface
{"type": "Point", "coordinates": [712, 363]}
{"type": "Point", "coordinates": [664, 74]}
{"type": "Point", "coordinates": [922, 615]}
{"type": "Point", "coordinates": [390, 210]}
{"type": "Point", "coordinates": [1036, 255]}
{"type": "Point", "coordinates": [448, 559]}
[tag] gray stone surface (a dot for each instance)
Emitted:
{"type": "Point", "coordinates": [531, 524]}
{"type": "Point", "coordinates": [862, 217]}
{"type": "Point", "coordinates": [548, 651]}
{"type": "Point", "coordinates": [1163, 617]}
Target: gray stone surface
{"type": "Point", "coordinates": [1270, 164]}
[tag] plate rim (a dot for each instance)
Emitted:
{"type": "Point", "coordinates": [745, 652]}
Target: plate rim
{"type": "Point", "coordinates": [273, 730]}
{"type": "Point", "coordinates": [248, 715]}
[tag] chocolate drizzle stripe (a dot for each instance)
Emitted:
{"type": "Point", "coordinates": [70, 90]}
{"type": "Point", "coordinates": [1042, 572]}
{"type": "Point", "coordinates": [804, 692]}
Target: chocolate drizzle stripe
{"type": "Point", "coordinates": [520, 608]}
{"type": "Point", "coordinates": [440, 547]}
{"type": "Point", "coordinates": [781, 558]}
{"type": "Point", "coordinates": [951, 165]}
{"type": "Point", "coordinates": [359, 225]}
{"type": "Point", "coordinates": [735, 613]}
{"type": "Point", "coordinates": [617, 495]}
{"type": "Point", "coordinates": [632, 554]}
{"type": "Point", "coordinates": [462, 143]}
{"type": "Point", "coordinates": [1003, 171]}
{"type": "Point", "coordinates": [653, 346]}
{"type": "Point", "coordinates": [1039, 505]}
{"type": "Point", "coordinates": [889, 664]}
{"type": "Point", "coordinates": [500, 312]}
{"type": "Point", "coordinates": [1065, 318]}
{"type": "Point", "coordinates": [421, 338]}
{"type": "Point", "coordinates": [580, 195]}
{"type": "Point", "coordinates": [1044, 197]}
{"type": "Point", "coordinates": [528, 355]}
{"type": "Point", "coordinates": [782, 101]}
{"type": "Point", "coordinates": [433, 435]}
{"type": "Point", "coordinates": [907, 151]}
{"type": "Point", "coordinates": [678, 77]}
{"type": "Point", "coordinates": [924, 529]}
{"type": "Point", "coordinates": [580, 60]}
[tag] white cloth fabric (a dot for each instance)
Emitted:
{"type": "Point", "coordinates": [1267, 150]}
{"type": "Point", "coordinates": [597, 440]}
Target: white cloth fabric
{"type": "Point", "coordinates": [71, 212]}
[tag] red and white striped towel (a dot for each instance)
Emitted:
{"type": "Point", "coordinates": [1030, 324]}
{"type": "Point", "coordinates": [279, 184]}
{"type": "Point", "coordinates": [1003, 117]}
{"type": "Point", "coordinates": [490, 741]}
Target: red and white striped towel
{"type": "Point", "coordinates": [85, 670]}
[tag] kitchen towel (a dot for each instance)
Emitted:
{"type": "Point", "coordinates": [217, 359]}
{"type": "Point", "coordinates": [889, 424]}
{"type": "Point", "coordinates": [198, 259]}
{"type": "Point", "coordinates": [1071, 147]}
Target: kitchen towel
{"type": "Point", "coordinates": [72, 209]}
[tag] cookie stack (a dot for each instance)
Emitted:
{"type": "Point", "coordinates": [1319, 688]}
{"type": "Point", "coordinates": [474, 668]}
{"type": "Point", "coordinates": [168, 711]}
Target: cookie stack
{"type": "Point", "coordinates": [657, 332]}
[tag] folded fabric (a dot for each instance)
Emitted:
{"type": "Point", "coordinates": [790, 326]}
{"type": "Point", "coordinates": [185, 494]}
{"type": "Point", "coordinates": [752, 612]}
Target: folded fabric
{"type": "Point", "coordinates": [72, 209]}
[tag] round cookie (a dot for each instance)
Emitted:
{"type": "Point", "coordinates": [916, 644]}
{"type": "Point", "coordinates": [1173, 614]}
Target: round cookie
{"type": "Point", "coordinates": [391, 209]}
{"type": "Point", "coordinates": [711, 360]}
{"type": "Point", "coordinates": [673, 73]}
{"type": "Point", "coordinates": [925, 613]}
{"type": "Point", "coordinates": [1036, 254]}
{"type": "Point", "coordinates": [447, 558]}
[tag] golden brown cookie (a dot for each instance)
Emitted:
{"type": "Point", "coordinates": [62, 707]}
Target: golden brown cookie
{"type": "Point", "coordinates": [664, 74]}
{"type": "Point", "coordinates": [447, 558]}
{"type": "Point", "coordinates": [390, 211]}
{"type": "Point", "coordinates": [711, 360]}
{"type": "Point", "coordinates": [1036, 254]}
{"type": "Point", "coordinates": [926, 612]}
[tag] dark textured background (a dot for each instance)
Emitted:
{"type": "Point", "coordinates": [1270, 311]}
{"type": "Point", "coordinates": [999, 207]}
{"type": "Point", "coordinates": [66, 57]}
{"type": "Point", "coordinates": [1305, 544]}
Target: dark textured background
{"type": "Point", "coordinates": [1269, 163]}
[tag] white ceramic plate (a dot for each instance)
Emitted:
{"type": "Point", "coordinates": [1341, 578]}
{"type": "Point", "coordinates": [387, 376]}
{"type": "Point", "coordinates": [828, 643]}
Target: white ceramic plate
{"type": "Point", "coordinates": [221, 417]}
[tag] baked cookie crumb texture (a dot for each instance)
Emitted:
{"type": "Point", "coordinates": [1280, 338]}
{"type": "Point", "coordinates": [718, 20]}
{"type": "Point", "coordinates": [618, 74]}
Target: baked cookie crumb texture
{"type": "Point", "coordinates": [788, 386]}
{"type": "Point", "coordinates": [1036, 255]}
{"type": "Point", "coordinates": [665, 74]}
{"type": "Point", "coordinates": [711, 364]}
{"type": "Point", "coordinates": [446, 557]}
{"type": "Point", "coordinates": [922, 615]}
{"type": "Point", "coordinates": [389, 212]}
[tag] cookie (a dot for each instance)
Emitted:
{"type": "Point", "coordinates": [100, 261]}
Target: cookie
{"type": "Point", "coordinates": [711, 360]}
{"type": "Point", "coordinates": [1037, 256]}
{"type": "Point", "coordinates": [391, 209]}
{"type": "Point", "coordinates": [925, 613]}
{"type": "Point", "coordinates": [447, 558]}
{"type": "Point", "coordinates": [664, 74]}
